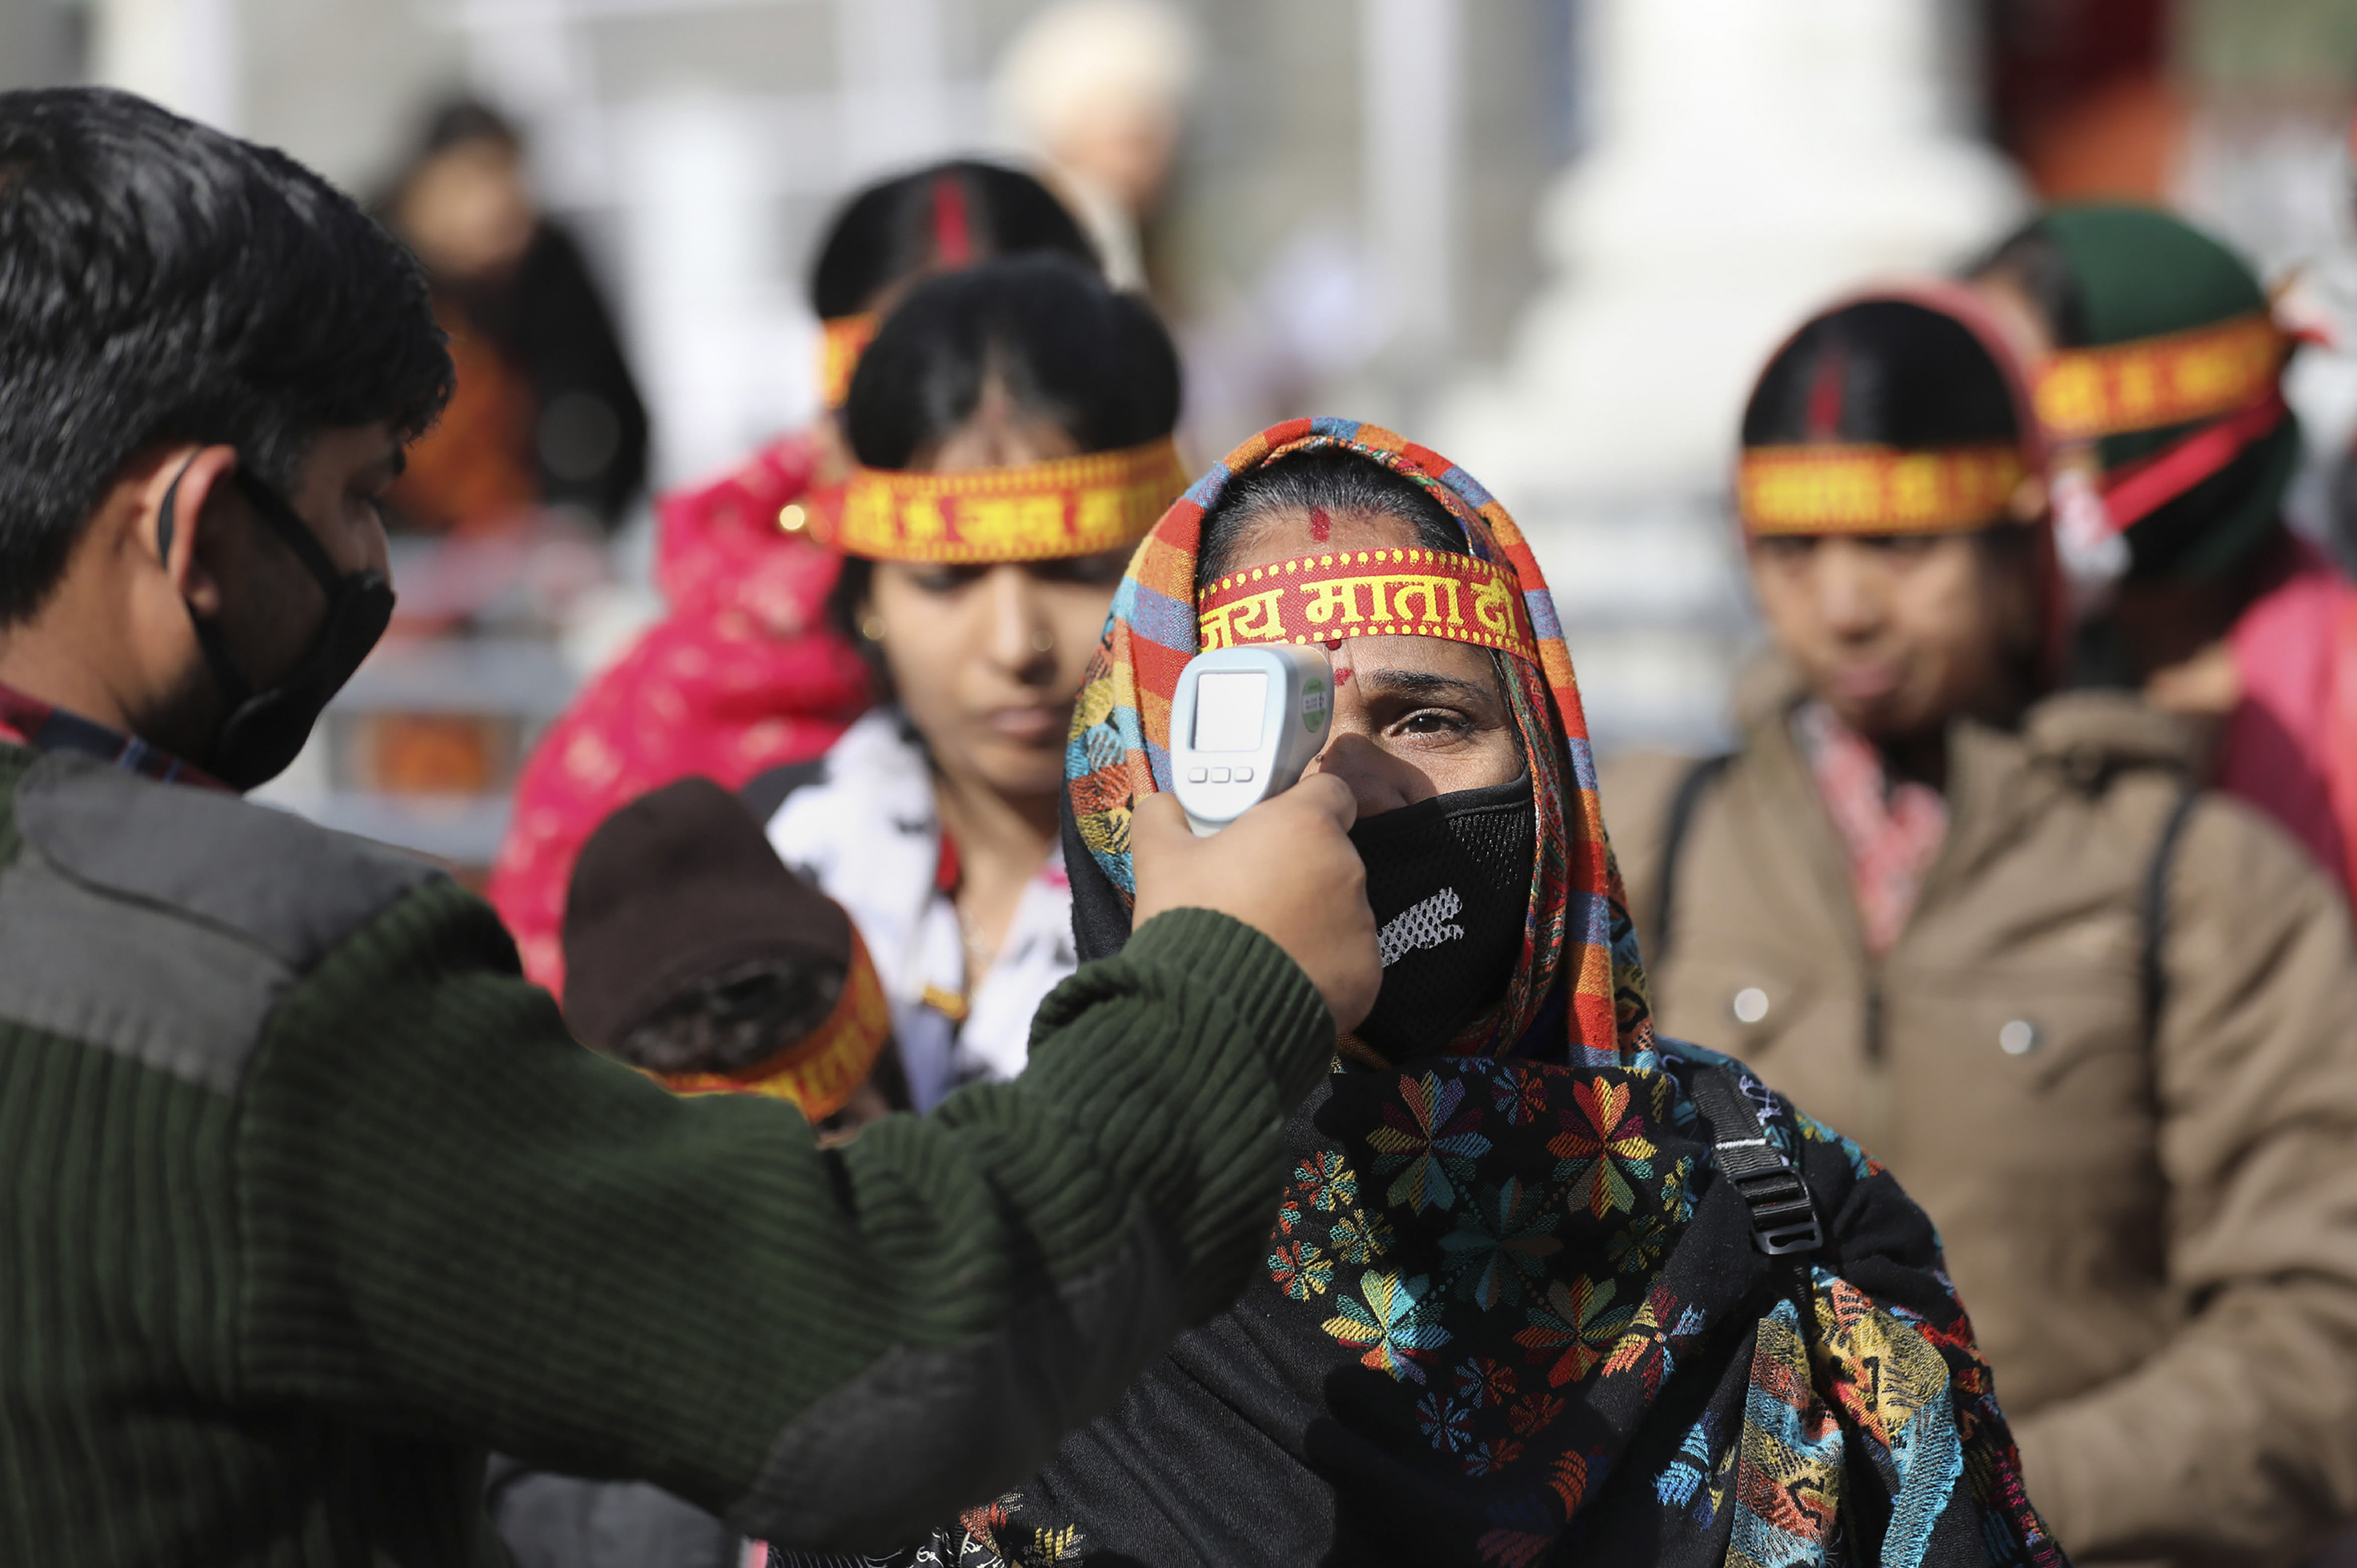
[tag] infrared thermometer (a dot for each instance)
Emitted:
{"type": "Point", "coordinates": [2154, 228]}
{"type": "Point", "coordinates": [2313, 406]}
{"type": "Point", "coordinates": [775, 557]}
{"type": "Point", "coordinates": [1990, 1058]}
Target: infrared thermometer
{"type": "Point", "coordinates": [1244, 723]}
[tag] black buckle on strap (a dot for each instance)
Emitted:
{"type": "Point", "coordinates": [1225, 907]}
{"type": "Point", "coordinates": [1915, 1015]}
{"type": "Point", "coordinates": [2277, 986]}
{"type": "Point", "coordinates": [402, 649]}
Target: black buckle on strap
{"type": "Point", "coordinates": [1784, 1219]}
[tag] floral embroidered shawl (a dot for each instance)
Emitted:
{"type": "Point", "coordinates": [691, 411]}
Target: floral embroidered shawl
{"type": "Point", "coordinates": [1509, 1313]}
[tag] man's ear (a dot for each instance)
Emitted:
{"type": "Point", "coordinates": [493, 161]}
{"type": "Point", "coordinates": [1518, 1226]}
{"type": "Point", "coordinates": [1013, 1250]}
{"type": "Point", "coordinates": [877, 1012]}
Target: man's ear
{"type": "Point", "coordinates": [181, 505]}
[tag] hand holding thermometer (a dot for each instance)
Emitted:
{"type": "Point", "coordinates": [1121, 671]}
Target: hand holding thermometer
{"type": "Point", "coordinates": [1244, 723]}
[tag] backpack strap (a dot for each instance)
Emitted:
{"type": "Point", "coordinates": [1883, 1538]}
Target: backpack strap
{"type": "Point", "coordinates": [1785, 1227]}
{"type": "Point", "coordinates": [1783, 1218]}
{"type": "Point", "coordinates": [2152, 969]}
{"type": "Point", "coordinates": [1784, 1224]}
{"type": "Point", "coordinates": [1675, 832]}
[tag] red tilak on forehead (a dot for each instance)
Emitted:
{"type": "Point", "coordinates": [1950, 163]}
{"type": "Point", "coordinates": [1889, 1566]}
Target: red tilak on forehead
{"type": "Point", "coordinates": [1321, 527]}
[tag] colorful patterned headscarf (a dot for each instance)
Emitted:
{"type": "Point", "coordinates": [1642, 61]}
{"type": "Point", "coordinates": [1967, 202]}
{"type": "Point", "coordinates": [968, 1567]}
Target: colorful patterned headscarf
{"type": "Point", "coordinates": [1575, 925]}
{"type": "Point", "coordinates": [1510, 1308]}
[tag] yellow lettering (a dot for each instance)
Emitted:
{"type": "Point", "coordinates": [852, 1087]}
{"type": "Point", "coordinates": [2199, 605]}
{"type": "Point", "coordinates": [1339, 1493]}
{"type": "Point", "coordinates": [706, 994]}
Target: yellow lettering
{"type": "Point", "coordinates": [1341, 592]}
{"type": "Point", "coordinates": [1100, 520]}
{"type": "Point", "coordinates": [1257, 619]}
{"type": "Point", "coordinates": [1494, 606]}
{"type": "Point", "coordinates": [922, 522]}
{"type": "Point", "coordinates": [1437, 595]}
{"type": "Point", "coordinates": [1040, 522]}
{"type": "Point", "coordinates": [988, 522]}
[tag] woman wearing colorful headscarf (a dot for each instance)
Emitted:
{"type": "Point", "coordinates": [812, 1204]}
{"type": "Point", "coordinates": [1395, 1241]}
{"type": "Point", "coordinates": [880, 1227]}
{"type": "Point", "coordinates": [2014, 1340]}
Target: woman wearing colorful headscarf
{"type": "Point", "coordinates": [2095, 1019]}
{"type": "Point", "coordinates": [743, 672]}
{"type": "Point", "coordinates": [2161, 386]}
{"type": "Point", "coordinates": [1512, 1306]}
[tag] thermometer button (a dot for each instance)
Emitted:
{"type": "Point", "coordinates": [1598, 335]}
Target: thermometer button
{"type": "Point", "coordinates": [1197, 775]}
{"type": "Point", "coordinates": [1244, 775]}
{"type": "Point", "coordinates": [1219, 775]}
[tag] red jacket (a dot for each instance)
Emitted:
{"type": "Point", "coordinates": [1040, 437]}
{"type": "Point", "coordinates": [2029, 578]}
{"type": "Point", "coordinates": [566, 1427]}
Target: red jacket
{"type": "Point", "coordinates": [742, 675]}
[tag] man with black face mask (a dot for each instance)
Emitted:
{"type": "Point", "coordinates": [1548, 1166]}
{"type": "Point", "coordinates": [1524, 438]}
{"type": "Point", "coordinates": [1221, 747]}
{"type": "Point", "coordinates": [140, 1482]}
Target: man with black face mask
{"type": "Point", "coordinates": [310, 1200]}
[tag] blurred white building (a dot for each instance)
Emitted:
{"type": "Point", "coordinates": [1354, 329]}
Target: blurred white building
{"type": "Point", "coordinates": [1747, 163]}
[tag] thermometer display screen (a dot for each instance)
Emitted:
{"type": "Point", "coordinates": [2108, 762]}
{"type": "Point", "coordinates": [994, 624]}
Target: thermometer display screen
{"type": "Point", "coordinates": [1229, 708]}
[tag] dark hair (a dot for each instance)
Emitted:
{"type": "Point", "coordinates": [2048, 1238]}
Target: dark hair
{"type": "Point", "coordinates": [1334, 479]}
{"type": "Point", "coordinates": [161, 281]}
{"type": "Point", "coordinates": [941, 217]}
{"type": "Point", "coordinates": [1327, 477]}
{"type": "Point", "coordinates": [460, 120]}
{"type": "Point", "coordinates": [1061, 343]}
{"type": "Point", "coordinates": [2032, 261]}
{"type": "Point", "coordinates": [1886, 371]}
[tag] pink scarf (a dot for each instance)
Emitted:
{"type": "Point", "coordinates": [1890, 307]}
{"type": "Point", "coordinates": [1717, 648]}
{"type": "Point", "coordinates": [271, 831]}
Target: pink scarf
{"type": "Point", "coordinates": [2291, 743]}
{"type": "Point", "coordinates": [741, 676]}
{"type": "Point", "coordinates": [1892, 832]}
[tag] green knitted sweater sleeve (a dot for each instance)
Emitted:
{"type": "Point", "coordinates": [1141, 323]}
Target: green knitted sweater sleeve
{"type": "Point", "coordinates": [458, 1223]}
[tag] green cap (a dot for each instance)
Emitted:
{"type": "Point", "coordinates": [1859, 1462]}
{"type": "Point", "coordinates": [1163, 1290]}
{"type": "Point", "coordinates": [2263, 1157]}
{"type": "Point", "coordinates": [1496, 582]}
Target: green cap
{"type": "Point", "coordinates": [2140, 273]}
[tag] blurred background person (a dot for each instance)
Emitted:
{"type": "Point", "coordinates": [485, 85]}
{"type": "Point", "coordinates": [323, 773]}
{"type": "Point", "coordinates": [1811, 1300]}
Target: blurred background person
{"type": "Point", "coordinates": [1009, 428]}
{"type": "Point", "coordinates": [2094, 1018]}
{"type": "Point", "coordinates": [1012, 427]}
{"type": "Point", "coordinates": [2160, 378]}
{"type": "Point", "coordinates": [1098, 92]}
{"type": "Point", "coordinates": [743, 672]}
{"type": "Point", "coordinates": [546, 416]}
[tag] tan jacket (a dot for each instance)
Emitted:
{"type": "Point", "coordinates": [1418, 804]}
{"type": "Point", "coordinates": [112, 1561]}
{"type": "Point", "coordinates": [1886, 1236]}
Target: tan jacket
{"type": "Point", "coordinates": [2157, 1238]}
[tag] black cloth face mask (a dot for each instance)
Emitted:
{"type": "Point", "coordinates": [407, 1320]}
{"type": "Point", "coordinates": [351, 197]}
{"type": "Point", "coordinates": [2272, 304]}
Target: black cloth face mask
{"type": "Point", "coordinates": [1450, 880]}
{"type": "Point", "coordinates": [264, 729]}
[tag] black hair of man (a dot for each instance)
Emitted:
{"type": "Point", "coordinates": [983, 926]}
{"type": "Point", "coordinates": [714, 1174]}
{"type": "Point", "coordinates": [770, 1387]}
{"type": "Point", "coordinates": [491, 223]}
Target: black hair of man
{"type": "Point", "coordinates": [936, 219]}
{"type": "Point", "coordinates": [1321, 478]}
{"type": "Point", "coordinates": [1887, 372]}
{"type": "Point", "coordinates": [163, 282]}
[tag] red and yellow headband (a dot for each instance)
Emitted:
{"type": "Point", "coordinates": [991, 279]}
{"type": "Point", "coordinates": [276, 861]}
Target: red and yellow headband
{"type": "Point", "coordinates": [1073, 505]}
{"type": "Point", "coordinates": [1370, 593]}
{"type": "Point", "coordinates": [1838, 488]}
{"type": "Point", "coordinates": [2148, 383]}
{"type": "Point", "coordinates": [842, 339]}
{"type": "Point", "coordinates": [818, 1072]}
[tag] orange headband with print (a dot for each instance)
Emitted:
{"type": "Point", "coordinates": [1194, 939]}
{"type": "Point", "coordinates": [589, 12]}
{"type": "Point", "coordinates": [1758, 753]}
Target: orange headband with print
{"type": "Point", "coordinates": [842, 339]}
{"type": "Point", "coordinates": [1846, 488]}
{"type": "Point", "coordinates": [1370, 593]}
{"type": "Point", "coordinates": [818, 1072]}
{"type": "Point", "coordinates": [2150, 383]}
{"type": "Point", "coordinates": [1072, 506]}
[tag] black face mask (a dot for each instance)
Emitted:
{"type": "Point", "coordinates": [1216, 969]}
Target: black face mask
{"type": "Point", "coordinates": [1450, 880]}
{"type": "Point", "coordinates": [264, 729]}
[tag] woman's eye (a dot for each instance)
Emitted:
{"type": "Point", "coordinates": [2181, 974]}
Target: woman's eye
{"type": "Point", "coordinates": [1435, 720]}
{"type": "Point", "coordinates": [1096, 570]}
{"type": "Point", "coordinates": [941, 579]}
